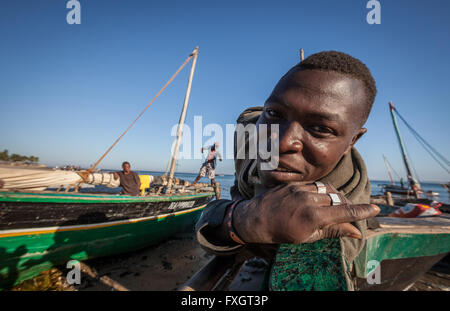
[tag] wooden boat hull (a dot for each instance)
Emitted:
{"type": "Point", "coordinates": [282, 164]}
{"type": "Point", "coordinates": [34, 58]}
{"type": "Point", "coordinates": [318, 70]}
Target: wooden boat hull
{"type": "Point", "coordinates": [105, 225]}
{"type": "Point", "coordinates": [398, 190]}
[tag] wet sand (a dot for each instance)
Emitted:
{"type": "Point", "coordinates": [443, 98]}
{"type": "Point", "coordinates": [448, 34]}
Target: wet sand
{"type": "Point", "coordinates": [162, 267]}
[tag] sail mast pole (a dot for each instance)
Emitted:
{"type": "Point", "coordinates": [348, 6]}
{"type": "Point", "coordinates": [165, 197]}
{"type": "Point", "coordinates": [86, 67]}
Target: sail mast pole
{"type": "Point", "coordinates": [181, 122]}
{"type": "Point", "coordinates": [414, 184]}
{"type": "Point", "coordinates": [388, 170]}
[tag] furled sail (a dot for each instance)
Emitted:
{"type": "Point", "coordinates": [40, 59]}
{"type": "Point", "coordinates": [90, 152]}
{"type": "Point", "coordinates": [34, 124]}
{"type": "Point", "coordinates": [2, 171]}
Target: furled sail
{"type": "Point", "coordinates": [37, 179]}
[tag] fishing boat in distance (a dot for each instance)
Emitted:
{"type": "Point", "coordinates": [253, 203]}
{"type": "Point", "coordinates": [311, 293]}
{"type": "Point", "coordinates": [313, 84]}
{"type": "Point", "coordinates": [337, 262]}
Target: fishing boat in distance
{"type": "Point", "coordinates": [412, 192]}
{"type": "Point", "coordinates": [40, 228]}
{"type": "Point", "coordinates": [413, 188]}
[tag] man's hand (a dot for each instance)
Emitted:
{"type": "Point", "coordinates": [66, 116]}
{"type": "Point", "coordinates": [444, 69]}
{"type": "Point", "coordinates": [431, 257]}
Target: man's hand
{"type": "Point", "coordinates": [296, 213]}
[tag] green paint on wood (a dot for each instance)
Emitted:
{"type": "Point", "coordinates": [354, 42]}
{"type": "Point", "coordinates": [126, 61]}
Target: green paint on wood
{"type": "Point", "coordinates": [400, 245]}
{"type": "Point", "coordinates": [89, 199]}
{"type": "Point", "coordinates": [23, 257]}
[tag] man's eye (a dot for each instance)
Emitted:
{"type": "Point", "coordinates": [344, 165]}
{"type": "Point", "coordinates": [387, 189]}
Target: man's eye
{"type": "Point", "coordinates": [272, 113]}
{"type": "Point", "coordinates": [321, 129]}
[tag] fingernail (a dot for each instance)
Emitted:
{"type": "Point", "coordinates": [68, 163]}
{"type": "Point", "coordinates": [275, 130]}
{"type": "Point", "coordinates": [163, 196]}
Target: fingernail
{"type": "Point", "coordinates": [377, 209]}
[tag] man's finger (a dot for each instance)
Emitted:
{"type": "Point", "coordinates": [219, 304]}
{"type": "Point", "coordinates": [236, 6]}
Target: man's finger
{"type": "Point", "coordinates": [317, 199]}
{"type": "Point", "coordinates": [330, 215]}
{"type": "Point", "coordinates": [342, 230]}
{"type": "Point", "coordinates": [335, 231]}
{"type": "Point", "coordinates": [314, 188]}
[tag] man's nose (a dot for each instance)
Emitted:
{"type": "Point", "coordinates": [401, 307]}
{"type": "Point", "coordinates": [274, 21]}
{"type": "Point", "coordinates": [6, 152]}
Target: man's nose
{"type": "Point", "coordinates": [291, 138]}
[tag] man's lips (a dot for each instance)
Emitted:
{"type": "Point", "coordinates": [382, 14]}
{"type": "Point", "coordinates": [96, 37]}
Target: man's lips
{"type": "Point", "coordinates": [282, 174]}
{"type": "Point", "coordinates": [284, 169]}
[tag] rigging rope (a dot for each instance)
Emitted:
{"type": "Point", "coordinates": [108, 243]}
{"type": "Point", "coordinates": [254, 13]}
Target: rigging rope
{"type": "Point", "coordinates": [432, 155]}
{"type": "Point", "coordinates": [425, 144]}
{"type": "Point", "coordinates": [142, 112]}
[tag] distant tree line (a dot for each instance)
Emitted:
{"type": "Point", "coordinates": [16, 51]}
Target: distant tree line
{"type": "Point", "coordinates": [5, 156]}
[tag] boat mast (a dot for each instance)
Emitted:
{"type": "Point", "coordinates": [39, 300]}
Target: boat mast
{"type": "Point", "coordinates": [414, 184]}
{"type": "Point", "coordinates": [388, 170]}
{"type": "Point", "coordinates": [181, 122]}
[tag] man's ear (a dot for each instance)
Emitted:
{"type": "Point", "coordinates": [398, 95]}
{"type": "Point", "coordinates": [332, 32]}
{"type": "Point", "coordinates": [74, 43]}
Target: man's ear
{"type": "Point", "coordinates": [355, 138]}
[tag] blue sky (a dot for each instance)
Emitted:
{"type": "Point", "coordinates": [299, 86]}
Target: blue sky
{"type": "Point", "coordinates": [68, 91]}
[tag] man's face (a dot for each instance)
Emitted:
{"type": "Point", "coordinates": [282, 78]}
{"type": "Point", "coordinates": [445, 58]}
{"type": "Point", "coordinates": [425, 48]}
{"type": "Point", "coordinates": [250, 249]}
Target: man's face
{"type": "Point", "coordinates": [126, 168]}
{"type": "Point", "coordinates": [319, 115]}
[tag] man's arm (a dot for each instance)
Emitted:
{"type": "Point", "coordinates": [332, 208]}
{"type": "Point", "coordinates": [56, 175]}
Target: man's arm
{"type": "Point", "coordinates": [234, 191]}
{"type": "Point", "coordinates": [219, 155]}
{"type": "Point", "coordinates": [138, 180]}
{"type": "Point", "coordinates": [291, 213]}
{"type": "Point", "coordinates": [210, 233]}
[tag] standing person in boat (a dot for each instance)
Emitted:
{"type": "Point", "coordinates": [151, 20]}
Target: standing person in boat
{"type": "Point", "coordinates": [129, 180]}
{"type": "Point", "coordinates": [320, 188]}
{"type": "Point", "coordinates": [209, 166]}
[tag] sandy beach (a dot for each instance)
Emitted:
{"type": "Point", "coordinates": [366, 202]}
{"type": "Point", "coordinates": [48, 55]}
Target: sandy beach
{"type": "Point", "coordinates": [162, 267]}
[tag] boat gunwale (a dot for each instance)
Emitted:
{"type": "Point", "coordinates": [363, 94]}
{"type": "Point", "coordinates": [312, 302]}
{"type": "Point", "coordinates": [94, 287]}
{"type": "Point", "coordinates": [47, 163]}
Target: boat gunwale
{"type": "Point", "coordinates": [9, 196]}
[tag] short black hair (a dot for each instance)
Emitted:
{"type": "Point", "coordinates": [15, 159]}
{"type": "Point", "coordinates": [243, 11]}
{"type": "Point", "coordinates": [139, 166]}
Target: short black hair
{"type": "Point", "coordinates": [345, 64]}
{"type": "Point", "coordinates": [126, 162]}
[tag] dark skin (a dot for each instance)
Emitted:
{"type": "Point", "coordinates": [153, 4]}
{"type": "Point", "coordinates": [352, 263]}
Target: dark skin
{"type": "Point", "coordinates": [125, 168]}
{"type": "Point", "coordinates": [320, 116]}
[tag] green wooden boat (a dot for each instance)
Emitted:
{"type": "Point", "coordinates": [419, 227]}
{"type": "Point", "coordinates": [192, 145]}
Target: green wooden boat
{"type": "Point", "coordinates": [41, 230]}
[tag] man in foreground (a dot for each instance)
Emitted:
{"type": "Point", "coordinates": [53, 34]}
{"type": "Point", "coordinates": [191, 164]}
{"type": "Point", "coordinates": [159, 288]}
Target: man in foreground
{"type": "Point", "coordinates": [320, 188]}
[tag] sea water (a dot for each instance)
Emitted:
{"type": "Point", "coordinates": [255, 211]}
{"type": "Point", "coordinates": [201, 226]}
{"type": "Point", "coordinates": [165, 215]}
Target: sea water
{"type": "Point", "coordinates": [227, 181]}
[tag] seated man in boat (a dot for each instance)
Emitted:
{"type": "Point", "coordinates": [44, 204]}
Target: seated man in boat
{"type": "Point", "coordinates": [129, 180]}
{"type": "Point", "coordinates": [320, 188]}
{"type": "Point", "coordinates": [209, 166]}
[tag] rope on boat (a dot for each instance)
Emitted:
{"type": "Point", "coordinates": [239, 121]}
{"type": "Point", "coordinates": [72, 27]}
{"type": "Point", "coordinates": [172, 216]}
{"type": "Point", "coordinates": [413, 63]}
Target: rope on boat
{"type": "Point", "coordinates": [427, 146]}
{"type": "Point", "coordinates": [142, 112]}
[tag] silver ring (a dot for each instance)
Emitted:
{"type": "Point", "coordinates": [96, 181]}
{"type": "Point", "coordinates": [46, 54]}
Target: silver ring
{"type": "Point", "coordinates": [320, 187]}
{"type": "Point", "coordinates": [335, 200]}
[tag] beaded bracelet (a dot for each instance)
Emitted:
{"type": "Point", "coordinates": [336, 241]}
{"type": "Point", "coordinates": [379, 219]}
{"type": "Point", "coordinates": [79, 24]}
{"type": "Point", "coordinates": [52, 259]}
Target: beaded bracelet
{"type": "Point", "coordinates": [233, 235]}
